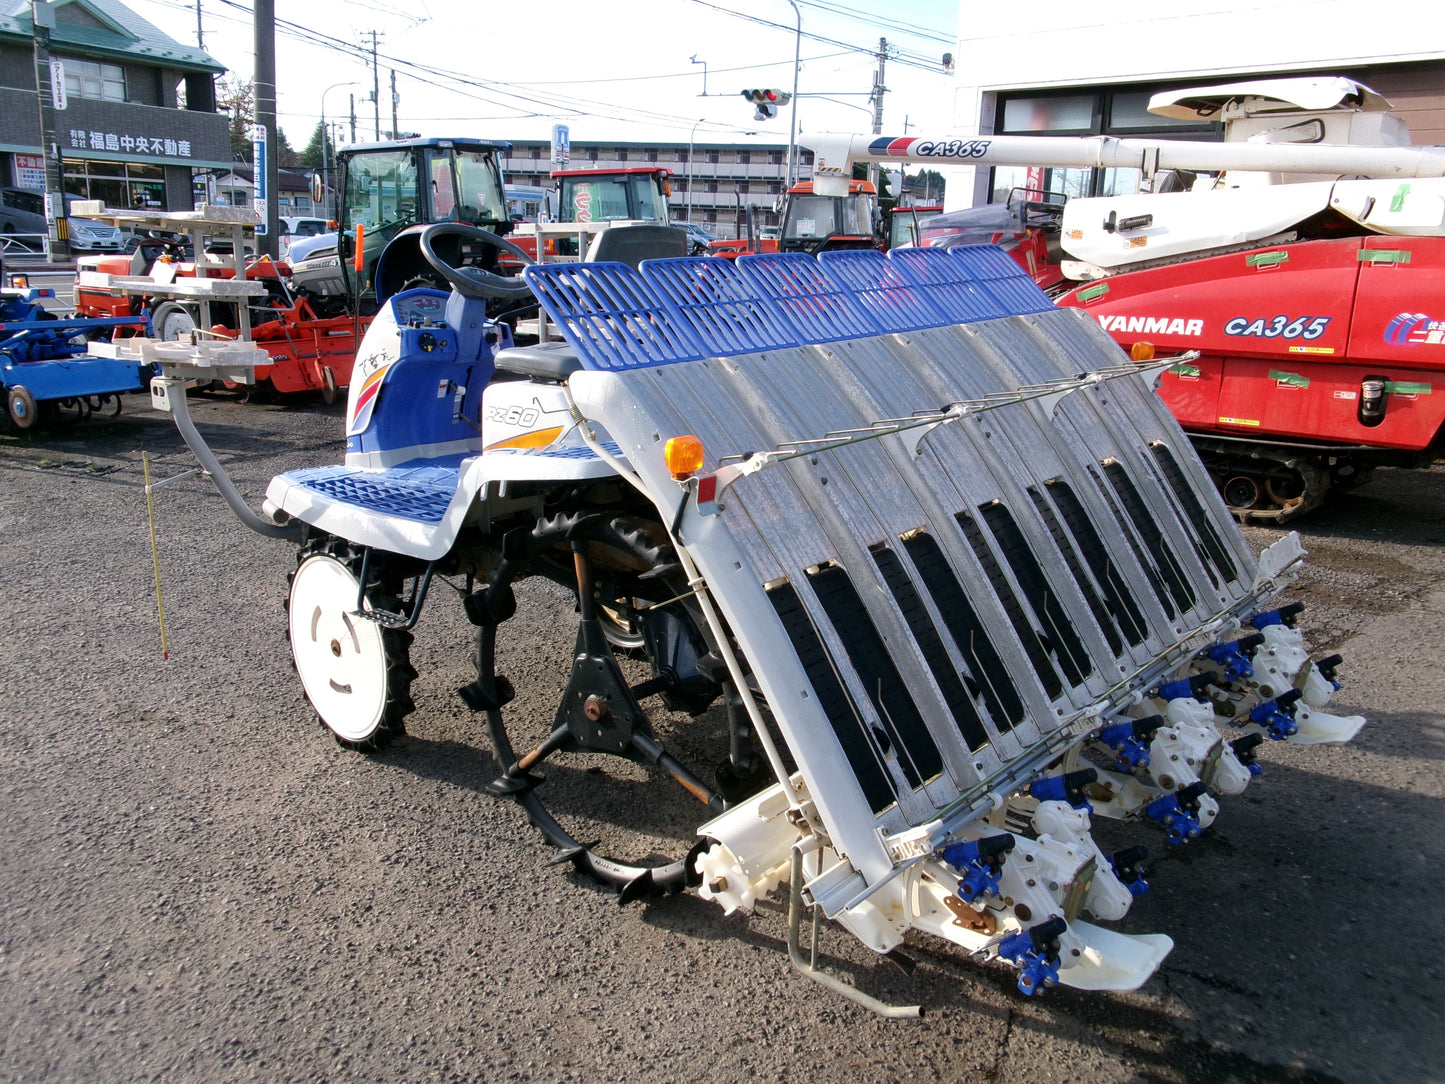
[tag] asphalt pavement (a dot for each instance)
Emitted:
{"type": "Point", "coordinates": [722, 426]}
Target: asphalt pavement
{"type": "Point", "coordinates": [198, 884]}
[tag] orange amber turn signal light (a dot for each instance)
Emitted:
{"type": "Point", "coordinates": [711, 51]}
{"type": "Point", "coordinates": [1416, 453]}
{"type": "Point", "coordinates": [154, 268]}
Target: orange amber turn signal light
{"type": "Point", "coordinates": [683, 456]}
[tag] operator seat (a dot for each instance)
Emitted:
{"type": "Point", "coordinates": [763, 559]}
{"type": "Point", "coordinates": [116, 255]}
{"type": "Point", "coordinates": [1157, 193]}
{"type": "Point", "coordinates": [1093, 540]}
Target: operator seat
{"type": "Point", "coordinates": [633, 244]}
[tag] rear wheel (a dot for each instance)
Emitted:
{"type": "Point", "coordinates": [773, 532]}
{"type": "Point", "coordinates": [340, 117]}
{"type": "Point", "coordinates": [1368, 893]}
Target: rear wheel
{"type": "Point", "coordinates": [356, 672]}
{"type": "Point", "coordinates": [172, 322]}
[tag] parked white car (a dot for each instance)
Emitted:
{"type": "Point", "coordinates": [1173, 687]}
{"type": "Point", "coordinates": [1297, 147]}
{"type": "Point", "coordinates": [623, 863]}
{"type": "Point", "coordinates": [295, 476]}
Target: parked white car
{"type": "Point", "coordinates": [293, 229]}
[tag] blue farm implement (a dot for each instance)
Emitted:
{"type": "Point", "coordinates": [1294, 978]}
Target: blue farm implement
{"type": "Point", "coordinates": [45, 367]}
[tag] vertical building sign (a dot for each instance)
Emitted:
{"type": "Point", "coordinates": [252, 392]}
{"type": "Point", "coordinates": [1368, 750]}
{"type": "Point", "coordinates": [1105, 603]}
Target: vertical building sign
{"type": "Point", "coordinates": [561, 144]}
{"type": "Point", "coordinates": [57, 84]}
{"type": "Point", "coordinates": [259, 151]}
{"type": "Point", "coordinates": [30, 172]}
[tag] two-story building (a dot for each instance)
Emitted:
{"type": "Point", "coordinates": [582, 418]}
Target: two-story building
{"type": "Point", "coordinates": [140, 117]}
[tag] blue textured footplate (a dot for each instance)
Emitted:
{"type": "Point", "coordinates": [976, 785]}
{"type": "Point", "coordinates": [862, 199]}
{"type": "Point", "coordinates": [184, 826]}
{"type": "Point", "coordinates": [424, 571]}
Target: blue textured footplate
{"type": "Point", "coordinates": [724, 308]}
{"type": "Point", "coordinates": [612, 316]}
{"type": "Point", "coordinates": [893, 301]}
{"type": "Point", "coordinates": [819, 309]}
{"type": "Point", "coordinates": [419, 493]}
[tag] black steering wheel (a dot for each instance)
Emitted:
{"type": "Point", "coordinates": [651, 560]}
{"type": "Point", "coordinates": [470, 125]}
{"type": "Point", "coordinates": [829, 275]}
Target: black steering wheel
{"type": "Point", "coordinates": [473, 282]}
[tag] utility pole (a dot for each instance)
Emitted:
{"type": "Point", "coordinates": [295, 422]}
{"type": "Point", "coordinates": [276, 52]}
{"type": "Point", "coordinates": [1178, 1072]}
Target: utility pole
{"type": "Point", "coordinates": [266, 174]}
{"type": "Point", "coordinates": [353, 117]}
{"type": "Point", "coordinates": [42, 20]}
{"type": "Point", "coordinates": [375, 87]}
{"type": "Point", "coordinates": [394, 134]}
{"type": "Point", "coordinates": [877, 96]}
{"type": "Point", "coordinates": [200, 39]}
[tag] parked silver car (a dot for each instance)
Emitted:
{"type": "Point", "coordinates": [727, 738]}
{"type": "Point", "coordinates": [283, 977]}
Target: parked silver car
{"type": "Point", "coordinates": [22, 217]}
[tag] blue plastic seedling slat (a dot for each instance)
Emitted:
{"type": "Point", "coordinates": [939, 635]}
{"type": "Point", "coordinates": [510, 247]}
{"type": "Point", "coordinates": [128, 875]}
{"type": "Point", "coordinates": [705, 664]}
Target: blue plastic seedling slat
{"type": "Point", "coordinates": [723, 307]}
{"type": "Point", "coordinates": [818, 309]}
{"type": "Point", "coordinates": [878, 287]}
{"type": "Point", "coordinates": [947, 283]}
{"type": "Point", "coordinates": [992, 268]}
{"type": "Point", "coordinates": [612, 316]}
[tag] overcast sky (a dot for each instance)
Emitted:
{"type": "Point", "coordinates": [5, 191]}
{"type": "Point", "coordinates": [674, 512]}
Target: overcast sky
{"type": "Point", "coordinates": [609, 70]}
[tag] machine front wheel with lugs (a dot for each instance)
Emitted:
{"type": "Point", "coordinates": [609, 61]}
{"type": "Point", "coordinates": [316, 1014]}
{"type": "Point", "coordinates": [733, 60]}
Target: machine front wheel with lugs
{"type": "Point", "coordinates": [356, 672]}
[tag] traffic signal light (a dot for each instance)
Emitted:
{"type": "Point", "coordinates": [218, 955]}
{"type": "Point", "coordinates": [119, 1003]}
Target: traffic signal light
{"type": "Point", "coordinates": [767, 101]}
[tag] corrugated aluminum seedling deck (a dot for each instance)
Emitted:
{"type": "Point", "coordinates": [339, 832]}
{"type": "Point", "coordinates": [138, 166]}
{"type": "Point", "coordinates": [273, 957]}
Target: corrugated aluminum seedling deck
{"type": "Point", "coordinates": [930, 609]}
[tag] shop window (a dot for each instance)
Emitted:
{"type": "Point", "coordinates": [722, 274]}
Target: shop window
{"type": "Point", "coordinates": [1064, 113]}
{"type": "Point", "coordinates": [1121, 111]}
{"type": "Point", "coordinates": [88, 79]}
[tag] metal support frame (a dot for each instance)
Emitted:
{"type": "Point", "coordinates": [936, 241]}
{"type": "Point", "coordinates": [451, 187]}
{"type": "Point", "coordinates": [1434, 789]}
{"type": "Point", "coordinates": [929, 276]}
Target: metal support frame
{"type": "Point", "coordinates": [809, 967]}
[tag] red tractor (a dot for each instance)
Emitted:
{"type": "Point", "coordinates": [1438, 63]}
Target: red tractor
{"type": "Point", "coordinates": [635, 195]}
{"type": "Point", "coordinates": [813, 223]}
{"type": "Point", "coordinates": [906, 223]}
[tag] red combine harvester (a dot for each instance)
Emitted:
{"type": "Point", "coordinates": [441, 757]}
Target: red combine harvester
{"type": "Point", "coordinates": [1303, 259]}
{"type": "Point", "coordinates": [1026, 226]}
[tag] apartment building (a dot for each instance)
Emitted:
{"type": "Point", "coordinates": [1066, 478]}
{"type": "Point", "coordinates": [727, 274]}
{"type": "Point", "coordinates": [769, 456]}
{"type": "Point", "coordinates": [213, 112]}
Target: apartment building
{"type": "Point", "coordinates": [713, 184]}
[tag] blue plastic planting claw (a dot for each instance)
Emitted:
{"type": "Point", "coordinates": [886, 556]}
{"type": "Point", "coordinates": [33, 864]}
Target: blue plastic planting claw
{"type": "Point", "coordinates": [1244, 752]}
{"type": "Point", "coordinates": [1285, 616]}
{"type": "Point", "coordinates": [1234, 657]}
{"type": "Point", "coordinates": [1327, 668]}
{"type": "Point", "coordinates": [981, 863]}
{"type": "Point", "coordinates": [1068, 787]}
{"type": "Point", "coordinates": [1130, 741]}
{"type": "Point", "coordinates": [1178, 813]}
{"type": "Point", "coordinates": [1190, 686]}
{"type": "Point", "coordinates": [1128, 867]}
{"type": "Point", "coordinates": [1277, 715]}
{"type": "Point", "coordinates": [1035, 952]}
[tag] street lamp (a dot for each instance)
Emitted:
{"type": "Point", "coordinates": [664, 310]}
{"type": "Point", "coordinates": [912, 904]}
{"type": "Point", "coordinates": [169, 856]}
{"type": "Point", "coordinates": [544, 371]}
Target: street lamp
{"type": "Point", "coordinates": [695, 60]}
{"type": "Point", "coordinates": [689, 165]}
{"type": "Point", "coordinates": [325, 137]}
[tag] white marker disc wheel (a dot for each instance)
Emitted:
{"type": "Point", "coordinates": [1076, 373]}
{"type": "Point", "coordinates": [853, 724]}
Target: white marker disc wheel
{"type": "Point", "coordinates": [340, 657]}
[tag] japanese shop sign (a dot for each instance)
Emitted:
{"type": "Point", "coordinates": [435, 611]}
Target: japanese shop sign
{"type": "Point", "coordinates": [129, 143]}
